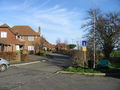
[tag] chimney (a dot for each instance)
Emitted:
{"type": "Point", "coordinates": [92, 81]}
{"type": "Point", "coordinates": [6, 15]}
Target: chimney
{"type": "Point", "coordinates": [39, 30]}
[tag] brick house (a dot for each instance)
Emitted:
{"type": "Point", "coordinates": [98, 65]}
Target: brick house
{"type": "Point", "coordinates": [8, 41]}
{"type": "Point", "coordinates": [62, 46]}
{"type": "Point", "coordinates": [46, 45]}
{"type": "Point", "coordinates": [50, 47]}
{"type": "Point", "coordinates": [27, 36]}
{"type": "Point", "coordinates": [22, 37]}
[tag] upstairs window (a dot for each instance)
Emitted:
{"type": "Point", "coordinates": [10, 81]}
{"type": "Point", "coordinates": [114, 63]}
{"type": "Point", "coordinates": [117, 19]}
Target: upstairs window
{"type": "Point", "coordinates": [3, 34]}
{"type": "Point", "coordinates": [31, 38]}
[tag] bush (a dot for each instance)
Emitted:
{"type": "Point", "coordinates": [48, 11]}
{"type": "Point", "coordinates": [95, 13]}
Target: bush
{"type": "Point", "coordinates": [24, 57]}
{"type": "Point", "coordinates": [18, 51]}
{"type": "Point", "coordinates": [8, 55]}
{"type": "Point", "coordinates": [42, 53]}
{"type": "Point", "coordinates": [31, 52]}
{"type": "Point", "coordinates": [77, 57]}
{"type": "Point", "coordinates": [115, 53]}
{"type": "Point", "coordinates": [72, 46]}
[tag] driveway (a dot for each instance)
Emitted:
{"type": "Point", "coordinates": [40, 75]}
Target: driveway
{"type": "Point", "coordinates": [42, 76]}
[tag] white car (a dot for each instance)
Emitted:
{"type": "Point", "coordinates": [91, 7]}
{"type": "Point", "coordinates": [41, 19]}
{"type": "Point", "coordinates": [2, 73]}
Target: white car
{"type": "Point", "coordinates": [4, 64]}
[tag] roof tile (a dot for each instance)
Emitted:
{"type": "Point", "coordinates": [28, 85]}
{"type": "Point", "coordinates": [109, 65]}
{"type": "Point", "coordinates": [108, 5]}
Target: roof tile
{"type": "Point", "coordinates": [24, 30]}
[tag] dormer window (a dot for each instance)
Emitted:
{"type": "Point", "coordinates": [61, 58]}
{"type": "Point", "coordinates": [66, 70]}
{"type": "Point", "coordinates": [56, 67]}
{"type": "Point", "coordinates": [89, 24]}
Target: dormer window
{"type": "Point", "coordinates": [3, 34]}
{"type": "Point", "coordinates": [31, 38]}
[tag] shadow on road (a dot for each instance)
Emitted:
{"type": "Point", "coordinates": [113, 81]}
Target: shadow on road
{"type": "Point", "coordinates": [113, 75]}
{"type": "Point", "coordinates": [59, 60]}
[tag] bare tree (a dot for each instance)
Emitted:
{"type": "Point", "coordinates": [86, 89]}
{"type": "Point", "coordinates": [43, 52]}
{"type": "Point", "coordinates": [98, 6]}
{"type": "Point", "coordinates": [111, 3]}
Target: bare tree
{"type": "Point", "coordinates": [39, 44]}
{"type": "Point", "coordinates": [58, 41]}
{"type": "Point", "coordinates": [107, 32]}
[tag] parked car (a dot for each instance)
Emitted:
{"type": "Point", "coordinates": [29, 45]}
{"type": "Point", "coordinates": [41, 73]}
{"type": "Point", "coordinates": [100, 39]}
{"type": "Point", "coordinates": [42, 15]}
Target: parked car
{"type": "Point", "coordinates": [4, 64]}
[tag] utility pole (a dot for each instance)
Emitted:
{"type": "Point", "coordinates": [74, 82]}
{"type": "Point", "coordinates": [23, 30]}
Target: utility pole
{"type": "Point", "coordinates": [77, 44]}
{"type": "Point", "coordinates": [94, 38]}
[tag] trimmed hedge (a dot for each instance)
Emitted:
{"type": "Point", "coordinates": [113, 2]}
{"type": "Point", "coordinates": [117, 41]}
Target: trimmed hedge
{"type": "Point", "coordinates": [115, 53]}
{"type": "Point", "coordinates": [8, 55]}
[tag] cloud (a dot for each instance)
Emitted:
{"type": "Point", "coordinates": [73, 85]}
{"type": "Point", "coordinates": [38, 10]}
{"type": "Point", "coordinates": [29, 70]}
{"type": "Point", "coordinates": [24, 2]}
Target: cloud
{"type": "Point", "coordinates": [12, 5]}
{"type": "Point", "coordinates": [54, 18]}
{"type": "Point", "coordinates": [56, 21]}
{"type": "Point", "coordinates": [46, 2]}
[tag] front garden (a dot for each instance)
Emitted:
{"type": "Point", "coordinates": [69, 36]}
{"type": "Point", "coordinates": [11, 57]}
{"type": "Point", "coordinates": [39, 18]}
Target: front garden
{"type": "Point", "coordinates": [81, 66]}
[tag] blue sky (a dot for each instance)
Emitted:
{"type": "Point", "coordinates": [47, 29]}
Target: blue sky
{"type": "Point", "coordinates": [57, 18]}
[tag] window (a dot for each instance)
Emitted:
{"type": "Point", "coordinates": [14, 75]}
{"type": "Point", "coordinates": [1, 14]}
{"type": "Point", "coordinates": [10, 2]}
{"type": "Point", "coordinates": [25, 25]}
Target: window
{"type": "Point", "coordinates": [17, 47]}
{"type": "Point", "coordinates": [30, 47]}
{"type": "Point", "coordinates": [21, 38]}
{"type": "Point", "coordinates": [3, 34]}
{"type": "Point", "coordinates": [31, 38]}
{"type": "Point", "coordinates": [16, 37]}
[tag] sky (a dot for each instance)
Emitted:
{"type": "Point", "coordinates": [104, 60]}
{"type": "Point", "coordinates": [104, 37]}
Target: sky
{"type": "Point", "coordinates": [58, 19]}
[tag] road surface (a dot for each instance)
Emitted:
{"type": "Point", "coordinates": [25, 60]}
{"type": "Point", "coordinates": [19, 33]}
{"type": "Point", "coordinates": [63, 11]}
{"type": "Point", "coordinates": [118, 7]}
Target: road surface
{"type": "Point", "coordinates": [42, 76]}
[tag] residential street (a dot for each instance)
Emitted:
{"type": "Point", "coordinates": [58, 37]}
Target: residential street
{"type": "Point", "coordinates": [42, 76]}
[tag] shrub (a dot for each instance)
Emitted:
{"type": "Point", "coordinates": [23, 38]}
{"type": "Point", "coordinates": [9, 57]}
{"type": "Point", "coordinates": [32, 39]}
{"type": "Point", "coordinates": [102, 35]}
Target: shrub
{"type": "Point", "coordinates": [31, 52]}
{"type": "Point", "coordinates": [115, 53]}
{"type": "Point", "coordinates": [42, 53]}
{"type": "Point", "coordinates": [24, 57]}
{"type": "Point", "coordinates": [72, 46]}
{"type": "Point", "coordinates": [77, 57]}
{"type": "Point", "coordinates": [18, 51]}
{"type": "Point", "coordinates": [8, 55]}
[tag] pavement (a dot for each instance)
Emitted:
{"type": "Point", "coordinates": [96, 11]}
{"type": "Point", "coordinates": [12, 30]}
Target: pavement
{"type": "Point", "coordinates": [31, 58]}
{"type": "Point", "coordinates": [42, 76]}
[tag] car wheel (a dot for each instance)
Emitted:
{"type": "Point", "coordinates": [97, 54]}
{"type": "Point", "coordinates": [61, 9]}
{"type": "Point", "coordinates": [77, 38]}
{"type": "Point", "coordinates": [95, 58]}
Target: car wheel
{"type": "Point", "coordinates": [3, 68]}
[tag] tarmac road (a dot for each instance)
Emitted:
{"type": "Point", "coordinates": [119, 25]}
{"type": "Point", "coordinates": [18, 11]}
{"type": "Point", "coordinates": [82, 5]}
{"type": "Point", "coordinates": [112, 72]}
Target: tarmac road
{"type": "Point", "coordinates": [41, 76]}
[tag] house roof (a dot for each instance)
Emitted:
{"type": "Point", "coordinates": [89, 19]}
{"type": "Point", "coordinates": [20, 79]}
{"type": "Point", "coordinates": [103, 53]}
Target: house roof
{"type": "Point", "coordinates": [24, 30]}
{"type": "Point", "coordinates": [4, 26]}
{"type": "Point", "coordinates": [2, 42]}
{"type": "Point", "coordinates": [8, 41]}
{"type": "Point", "coordinates": [62, 45]}
{"type": "Point", "coordinates": [46, 43]}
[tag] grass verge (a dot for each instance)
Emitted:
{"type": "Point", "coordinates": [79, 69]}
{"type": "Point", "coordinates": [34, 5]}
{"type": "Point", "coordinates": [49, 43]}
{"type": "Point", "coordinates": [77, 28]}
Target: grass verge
{"type": "Point", "coordinates": [15, 61]}
{"type": "Point", "coordinates": [114, 65]}
{"type": "Point", "coordinates": [81, 70]}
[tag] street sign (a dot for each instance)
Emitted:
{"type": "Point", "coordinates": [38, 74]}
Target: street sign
{"type": "Point", "coordinates": [84, 43]}
{"type": "Point", "coordinates": [84, 48]}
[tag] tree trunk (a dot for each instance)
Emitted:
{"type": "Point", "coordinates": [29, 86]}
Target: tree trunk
{"type": "Point", "coordinates": [107, 50]}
